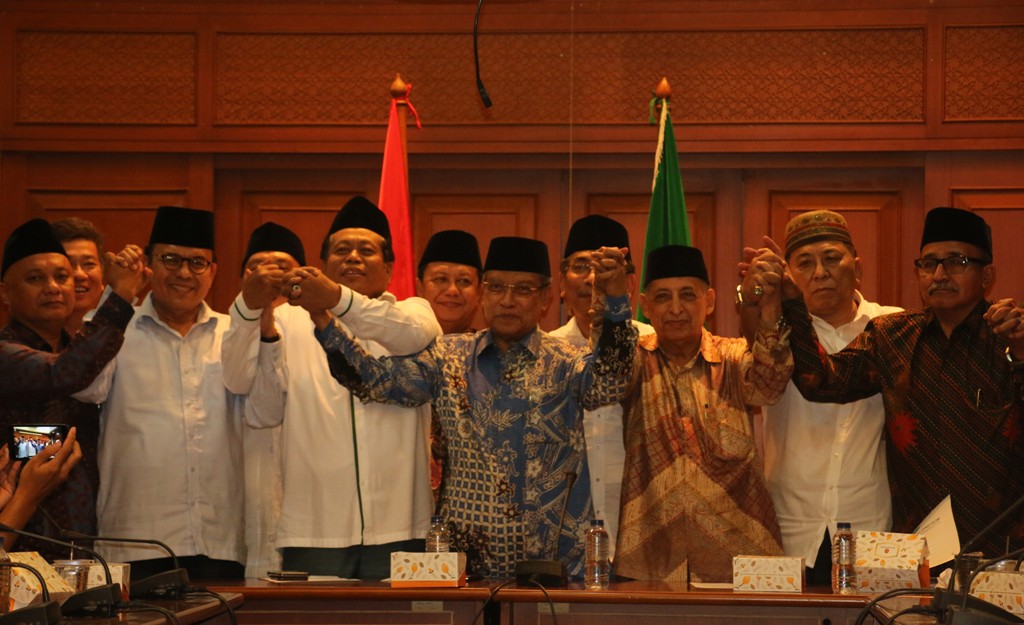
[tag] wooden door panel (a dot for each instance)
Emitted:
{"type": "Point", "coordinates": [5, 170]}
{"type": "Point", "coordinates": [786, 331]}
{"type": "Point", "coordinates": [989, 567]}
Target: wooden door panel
{"type": "Point", "coordinates": [1003, 209]}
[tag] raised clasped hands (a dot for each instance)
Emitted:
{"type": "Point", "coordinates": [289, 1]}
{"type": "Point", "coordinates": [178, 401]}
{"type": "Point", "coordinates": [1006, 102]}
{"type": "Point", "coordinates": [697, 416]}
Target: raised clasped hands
{"type": "Point", "coordinates": [609, 265]}
{"type": "Point", "coordinates": [765, 275]}
{"type": "Point", "coordinates": [1006, 318]}
{"type": "Point", "coordinates": [263, 284]}
{"type": "Point", "coordinates": [127, 272]}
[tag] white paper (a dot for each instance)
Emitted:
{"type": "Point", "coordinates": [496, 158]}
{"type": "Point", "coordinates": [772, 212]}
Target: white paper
{"type": "Point", "coordinates": [940, 529]}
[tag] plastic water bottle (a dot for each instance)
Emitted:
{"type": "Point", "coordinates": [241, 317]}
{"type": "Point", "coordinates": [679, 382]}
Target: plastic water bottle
{"type": "Point", "coordinates": [844, 552]}
{"type": "Point", "coordinates": [438, 537]}
{"type": "Point", "coordinates": [598, 569]}
{"type": "Point", "coordinates": [5, 580]}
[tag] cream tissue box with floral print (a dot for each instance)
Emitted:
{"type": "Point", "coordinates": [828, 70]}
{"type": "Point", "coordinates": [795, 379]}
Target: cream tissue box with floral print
{"type": "Point", "coordinates": [1002, 588]}
{"type": "Point", "coordinates": [412, 570]}
{"type": "Point", "coordinates": [25, 588]}
{"type": "Point", "coordinates": [886, 560]}
{"type": "Point", "coordinates": [767, 574]}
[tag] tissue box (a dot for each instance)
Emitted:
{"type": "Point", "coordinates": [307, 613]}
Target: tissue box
{"type": "Point", "coordinates": [886, 560]}
{"type": "Point", "coordinates": [768, 574]}
{"type": "Point", "coordinates": [419, 570]}
{"type": "Point", "coordinates": [119, 573]}
{"type": "Point", "coordinates": [25, 586]}
{"type": "Point", "coordinates": [1002, 588]}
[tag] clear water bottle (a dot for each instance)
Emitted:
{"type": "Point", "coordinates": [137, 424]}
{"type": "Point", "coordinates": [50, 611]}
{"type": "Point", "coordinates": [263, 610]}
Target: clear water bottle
{"type": "Point", "coordinates": [598, 570]}
{"type": "Point", "coordinates": [5, 580]}
{"type": "Point", "coordinates": [438, 537]}
{"type": "Point", "coordinates": [844, 551]}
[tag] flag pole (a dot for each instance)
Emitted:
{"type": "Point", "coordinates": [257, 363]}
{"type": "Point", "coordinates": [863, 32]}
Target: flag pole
{"type": "Point", "coordinates": [399, 91]}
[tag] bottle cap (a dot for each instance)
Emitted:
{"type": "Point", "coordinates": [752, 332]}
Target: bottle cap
{"type": "Point", "coordinates": [436, 519]}
{"type": "Point", "coordinates": [843, 526]}
{"type": "Point", "coordinates": [598, 522]}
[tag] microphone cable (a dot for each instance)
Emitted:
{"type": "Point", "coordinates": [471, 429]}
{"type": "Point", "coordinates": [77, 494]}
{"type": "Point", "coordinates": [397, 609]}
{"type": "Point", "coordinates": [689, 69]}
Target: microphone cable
{"type": "Point", "coordinates": [898, 592]}
{"type": "Point", "coordinates": [476, 57]}
{"type": "Point", "coordinates": [490, 597]}
{"type": "Point", "coordinates": [551, 604]}
{"type": "Point", "coordinates": [132, 606]}
{"type": "Point", "coordinates": [200, 591]}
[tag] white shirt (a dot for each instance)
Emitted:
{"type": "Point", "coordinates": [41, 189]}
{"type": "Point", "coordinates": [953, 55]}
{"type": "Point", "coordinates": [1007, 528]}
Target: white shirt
{"type": "Point", "coordinates": [325, 428]}
{"type": "Point", "coordinates": [606, 452]}
{"type": "Point", "coordinates": [170, 451]}
{"type": "Point", "coordinates": [825, 463]}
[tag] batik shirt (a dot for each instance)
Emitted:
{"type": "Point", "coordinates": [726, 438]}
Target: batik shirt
{"type": "Point", "coordinates": [36, 385]}
{"type": "Point", "coordinates": [693, 493]}
{"type": "Point", "coordinates": [513, 425]}
{"type": "Point", "coordinates": [952, 409]}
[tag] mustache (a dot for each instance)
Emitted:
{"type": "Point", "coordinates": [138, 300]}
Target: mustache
{"type": "Point", "coordinates": [951, 288]}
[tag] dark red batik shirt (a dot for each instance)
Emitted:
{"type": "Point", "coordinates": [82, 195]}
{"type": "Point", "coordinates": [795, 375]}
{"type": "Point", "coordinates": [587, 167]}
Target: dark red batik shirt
{"type": "Point", "coordinates": [953, 411]}
{"type": "Point", "coordinates": [36, 385]}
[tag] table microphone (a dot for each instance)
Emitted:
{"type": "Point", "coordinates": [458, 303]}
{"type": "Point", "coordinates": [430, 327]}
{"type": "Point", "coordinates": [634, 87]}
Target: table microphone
{"type": "Point", "coordinates": [43, 614]}
{"type": "Point", "coordinates": [548, 572]}
{"type": "Point", "coordinates": [99, 601]}
{"type": "Point", "coordinates": [170, 584]}
{"type": "Point", "coordinates": [973, 611]}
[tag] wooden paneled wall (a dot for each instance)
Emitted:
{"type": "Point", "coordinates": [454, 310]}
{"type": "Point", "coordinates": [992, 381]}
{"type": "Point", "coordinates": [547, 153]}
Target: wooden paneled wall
{"type": "Point", "coordinates": [276, 111]}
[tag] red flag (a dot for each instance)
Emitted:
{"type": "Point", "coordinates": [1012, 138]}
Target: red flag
{"type": "Point", "coordinates": [394, 201]}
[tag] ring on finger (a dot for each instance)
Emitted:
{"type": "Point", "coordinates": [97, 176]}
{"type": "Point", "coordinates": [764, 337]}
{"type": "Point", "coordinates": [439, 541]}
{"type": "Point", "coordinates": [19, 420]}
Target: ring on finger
{"type": "Point", "coordinates": [758, 290]}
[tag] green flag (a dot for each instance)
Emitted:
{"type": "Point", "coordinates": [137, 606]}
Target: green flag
{"type": "Point", "coordinates": [667, 222]}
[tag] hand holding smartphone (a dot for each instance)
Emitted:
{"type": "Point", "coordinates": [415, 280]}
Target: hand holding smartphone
{"type": "Point", "coordinates": [25, 441]}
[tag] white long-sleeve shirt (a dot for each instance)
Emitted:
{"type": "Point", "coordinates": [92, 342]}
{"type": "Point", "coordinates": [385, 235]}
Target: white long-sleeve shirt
{"type": "Point", "coordinates": [170, 451]}
{"type": "Point", "coordinates": [606, 452]}
{"type": "Point", "coordinates": [825, 463]}
{"type": "Point", "coordinates": [340, 457]}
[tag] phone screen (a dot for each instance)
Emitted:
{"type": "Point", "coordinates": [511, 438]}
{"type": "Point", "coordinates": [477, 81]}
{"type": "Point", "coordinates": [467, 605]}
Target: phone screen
{"type": "Point", "coordinates": [28, 440]}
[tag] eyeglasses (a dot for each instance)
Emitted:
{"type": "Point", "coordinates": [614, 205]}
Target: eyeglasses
{"type": "Point", "coordinates": [580, 268]}
{"type": "Point", "coordinates": [196, 264]}
{"type": "Point", "coordinates": [443, 283]}
{"type": "Point", "coordinates": [954, 265]}
{"type": "Point", "coordinates": [519, 290]}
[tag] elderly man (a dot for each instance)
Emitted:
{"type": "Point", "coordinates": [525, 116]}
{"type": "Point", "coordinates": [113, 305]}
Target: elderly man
{"type": "Point", "coordinates": [355, 474]}
{"type": "Point", "coordinates": [42, 366]}
{"type": "Point", "coordinates": [693, 493]}
{"type": "Point", "coordinates": [83, 243]}
{"type": "Point", "coordinates": [509, 400]}
{"type": "Point", "coordinates": [603, 426]}
{"type": "Point", "coordinates": [171, 450]}
{"type": "Point", "coordinates": [950, 377]}
{"type": "Point", "coordinates": [825, 463]}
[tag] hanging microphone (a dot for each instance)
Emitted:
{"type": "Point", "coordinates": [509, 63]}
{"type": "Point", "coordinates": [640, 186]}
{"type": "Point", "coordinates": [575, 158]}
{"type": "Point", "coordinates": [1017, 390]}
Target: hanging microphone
{"type": "Point", "coordinates": [476, 57]}
{"type": "Point", "coordinates": [170, 584]}
{"type": "Point", "coordinates": [43, 614]}
{"type": "Point", "coordinates": [99, 601]}
{"type": "Point", "coordinates": [548, 572]}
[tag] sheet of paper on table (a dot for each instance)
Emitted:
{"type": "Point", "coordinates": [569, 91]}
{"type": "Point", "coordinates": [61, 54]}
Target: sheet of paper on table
{"type": "Point", "coordinates": [940, 528]}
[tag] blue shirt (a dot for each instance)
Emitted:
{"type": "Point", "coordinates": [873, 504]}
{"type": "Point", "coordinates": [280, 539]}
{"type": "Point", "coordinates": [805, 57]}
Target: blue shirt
{"type": "Point", "coordinates": [513, 425]}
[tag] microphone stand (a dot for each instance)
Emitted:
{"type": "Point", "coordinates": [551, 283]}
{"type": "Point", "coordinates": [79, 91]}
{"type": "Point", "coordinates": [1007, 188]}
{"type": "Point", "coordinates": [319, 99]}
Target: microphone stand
{"type": "Point", "coordinates": [164, 585]}
{"type": "Point", "coordinates": [548, 572]}
{"type": "Point", "coordinates": [43, 614]}
{"type": "Point", "coordinates": [99, 601]}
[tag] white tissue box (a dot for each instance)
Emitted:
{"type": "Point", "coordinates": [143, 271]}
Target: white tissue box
{"type": "Point", "coordinates": [411, 570]}
{"type": "Point", "coordinates": [768, 574]}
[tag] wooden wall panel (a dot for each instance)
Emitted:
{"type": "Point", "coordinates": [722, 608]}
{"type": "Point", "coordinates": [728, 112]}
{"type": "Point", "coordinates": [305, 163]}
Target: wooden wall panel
{"type": "Point", "coordinates": [995, 93]}
{"type": "Point", "coordinates": [1003, 209]}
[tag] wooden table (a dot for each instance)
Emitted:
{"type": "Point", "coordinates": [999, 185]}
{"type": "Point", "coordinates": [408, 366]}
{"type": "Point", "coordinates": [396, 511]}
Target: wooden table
{"type": "Point", "coordinates": [633, 603]}
{"type": "Point", "coordinates": [190, 611]}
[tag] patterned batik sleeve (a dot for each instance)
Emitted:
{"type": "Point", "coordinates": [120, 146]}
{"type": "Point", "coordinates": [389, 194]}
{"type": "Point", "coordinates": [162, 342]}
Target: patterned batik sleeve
{"type": "Point", "coordinates": [845, 376]}
{"type": "Point", "coordinates": [27, 370]}
{"type": "Point", "coordinates": [400, 380]}
{"type": "Point", "coordinates": [606, 372]}
{"type": "Point", "coordinates": [770, 367]}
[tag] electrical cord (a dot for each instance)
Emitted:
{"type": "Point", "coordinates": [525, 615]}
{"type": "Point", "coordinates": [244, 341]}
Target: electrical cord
{"type": "Point", "coordinates": [899, 592]}
{"type": "Point", "coordinates": [551, 604]}
{"type": "Point", "coordinates": [476, 57]}
{"type": "Point", "coordinates": [198, 590]}
{"type": "Point", "coordinates": [914, 609]}
{"type": "Point", "coordinates": [490, 596]}
{"type": "Point", "coordinates": [133, 606]}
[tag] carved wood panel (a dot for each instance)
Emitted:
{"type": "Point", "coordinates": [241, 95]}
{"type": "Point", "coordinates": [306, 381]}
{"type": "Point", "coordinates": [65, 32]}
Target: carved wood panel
{"type": "Point", "coordinates": [984, 69]}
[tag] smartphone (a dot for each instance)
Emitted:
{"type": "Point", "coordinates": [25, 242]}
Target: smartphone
{"type": "Point", "coordinates": [289, 576]}
{"type": "Point", "coordinates": [27, 440]}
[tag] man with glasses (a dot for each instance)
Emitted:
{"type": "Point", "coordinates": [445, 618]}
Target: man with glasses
{"type": "Point", "coordinates": [355, 475]}
{"type": "Point", "coordinates": [510, 401]}
{"type": "Point", "coordinates": [171, 450]}
{"type": "Point", "coordinates": [603, 426]}
{"type": "Point", "coordinates": [951, 379]}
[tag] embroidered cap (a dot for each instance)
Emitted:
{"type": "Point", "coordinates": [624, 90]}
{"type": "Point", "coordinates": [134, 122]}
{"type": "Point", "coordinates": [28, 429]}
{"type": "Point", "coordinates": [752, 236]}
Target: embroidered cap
{"type": "Point", "coordinates": [814, 226]}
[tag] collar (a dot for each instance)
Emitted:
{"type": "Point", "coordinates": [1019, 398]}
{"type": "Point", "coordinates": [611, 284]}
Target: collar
{"type": "Point", "coordinates": [707, 350]}
{"type": "Point", "coordinates": [973, 320]}
{"type": "Point", "coordinates": [146, 310]}
{"type": "Point", "coordinates": [530, 342]}
{"type": "Point", "coordinates": [17, 332]}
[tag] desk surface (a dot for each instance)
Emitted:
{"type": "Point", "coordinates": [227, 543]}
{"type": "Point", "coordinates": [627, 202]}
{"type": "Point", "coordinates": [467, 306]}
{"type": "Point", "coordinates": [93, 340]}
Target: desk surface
{"type": "Point", "coordinates": [198, 609]}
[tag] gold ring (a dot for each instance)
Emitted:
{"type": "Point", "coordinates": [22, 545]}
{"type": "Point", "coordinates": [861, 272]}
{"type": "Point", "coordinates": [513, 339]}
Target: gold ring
{"type": "Point", "coordinates": [758, 291]}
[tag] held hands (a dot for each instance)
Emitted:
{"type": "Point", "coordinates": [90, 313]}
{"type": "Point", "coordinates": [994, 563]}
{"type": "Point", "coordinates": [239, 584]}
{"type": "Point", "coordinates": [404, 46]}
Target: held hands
{"type": "Point", "coordinates": [609, 265]}
{"type": "Point", "coordinates": [1006, 318]}
{"type": "Point", "coordinates": [764, 274]}
{"type": "Point", "coordinates": [310, 288]}
{"type": "Point", "coordinates": [263, 284]}
{"type": "Point", "coordinates": [126, 272]}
